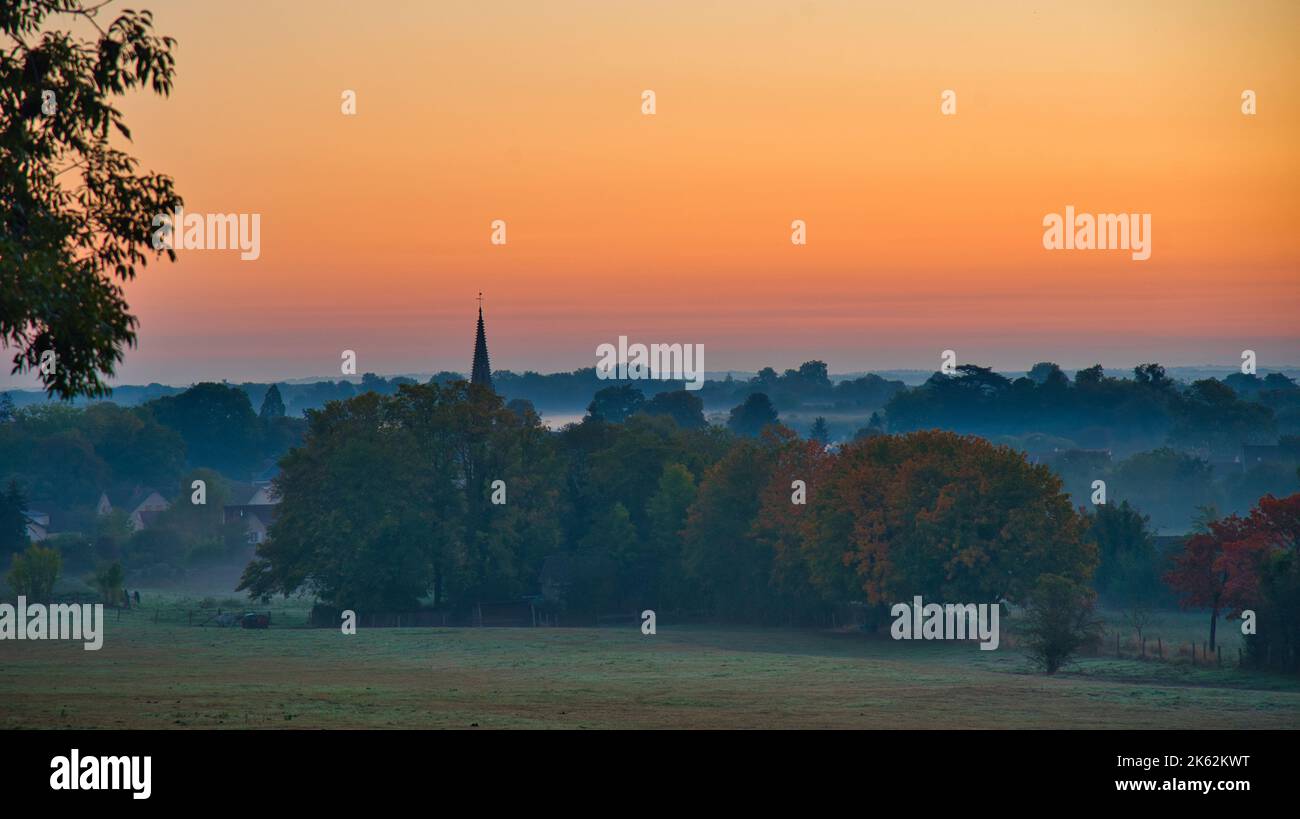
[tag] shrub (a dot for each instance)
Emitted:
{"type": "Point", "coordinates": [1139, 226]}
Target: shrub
{"type": "Point", "coordinates": [109, 580]}
{"type": "Point", "coordinates": [1059, 621]}
{"type": "Point", "coordinates": [33, 573]}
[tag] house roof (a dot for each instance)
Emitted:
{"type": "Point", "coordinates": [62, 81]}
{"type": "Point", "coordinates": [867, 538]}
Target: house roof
{"type": "Point", "coordinates": [129, 499]}
{"type": "Point", "coordinates": [62, 521]}
{"type": "Point", "coordinates": [241, 493]}
{"type": "Point", "coordinates": [147, 518]}
{"type": "Point", "coordinates": [36, 516]}
{"type": "Point", "coordinates": [265, 513]}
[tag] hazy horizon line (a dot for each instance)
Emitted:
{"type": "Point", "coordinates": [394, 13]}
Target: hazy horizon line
{"type": "Point", "coordinates": [709, 375]}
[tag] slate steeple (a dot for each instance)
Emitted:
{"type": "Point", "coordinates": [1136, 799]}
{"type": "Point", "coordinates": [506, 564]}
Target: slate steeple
{"type": "Point", "coordinates": [481, 371]}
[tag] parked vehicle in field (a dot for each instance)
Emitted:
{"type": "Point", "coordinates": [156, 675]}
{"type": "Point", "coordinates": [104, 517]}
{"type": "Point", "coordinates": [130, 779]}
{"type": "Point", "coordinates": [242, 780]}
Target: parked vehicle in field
{"type": "Point", "coordinates": [255, 619]}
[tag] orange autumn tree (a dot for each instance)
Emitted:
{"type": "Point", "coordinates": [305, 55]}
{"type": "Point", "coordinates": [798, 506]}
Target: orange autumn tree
{"type": "Point", "coordinates": [798, 469]}
{"type": "Point", "coordinates": [946, 516]}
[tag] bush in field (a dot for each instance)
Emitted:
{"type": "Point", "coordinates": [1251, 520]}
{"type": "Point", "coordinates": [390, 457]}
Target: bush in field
{"type": "Point", "coordinates": [108, 580]}
{"type": "Point", "coordinates": [33, 573]}
{"type": "Point", "coordinates": [1059, 621]}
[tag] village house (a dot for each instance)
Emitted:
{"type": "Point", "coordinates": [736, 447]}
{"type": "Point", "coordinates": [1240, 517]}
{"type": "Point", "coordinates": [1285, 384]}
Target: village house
{"type": "Point", "coordinates": [38, 525]}
{"type": "Point", "coordinates": [141, 504]}
{"type": "Point", "coordinates": [257, 510]}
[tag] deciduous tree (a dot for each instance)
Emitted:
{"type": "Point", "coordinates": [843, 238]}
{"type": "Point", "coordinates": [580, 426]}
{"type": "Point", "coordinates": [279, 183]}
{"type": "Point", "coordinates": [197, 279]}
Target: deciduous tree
{"type": "Point", "coordinates": [76, 217]}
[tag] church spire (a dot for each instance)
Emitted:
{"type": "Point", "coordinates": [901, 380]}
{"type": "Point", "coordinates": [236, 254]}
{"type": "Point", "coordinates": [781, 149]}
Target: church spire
{"type": "Point", "coordinates": [481, 371]}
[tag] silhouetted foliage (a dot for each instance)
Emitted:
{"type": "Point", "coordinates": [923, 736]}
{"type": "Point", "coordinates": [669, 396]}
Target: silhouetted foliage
{"type": "Point", "coordinates": [272, 404]}
{"type": "Point", "coordinates": [751, 417]}
{"type": "Point", "coordinates": [68, 242]}
{"type": "Point", "coordinates": [615, 404]}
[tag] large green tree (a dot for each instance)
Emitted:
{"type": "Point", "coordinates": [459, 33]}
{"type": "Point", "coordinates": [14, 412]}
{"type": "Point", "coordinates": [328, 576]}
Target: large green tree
{"type": "Point", "coordinates": [666, 517]}
{"type": "Point", "coordinates": [346, 529]}
{"type": "Point", "coordinates": [218, 426]}
{"type": "Point", "coordinates": [1126, 569]}
{"type": "Point", "coordinates": [729, 566]}
{"type": "Point", "coordinates": [392, 499]}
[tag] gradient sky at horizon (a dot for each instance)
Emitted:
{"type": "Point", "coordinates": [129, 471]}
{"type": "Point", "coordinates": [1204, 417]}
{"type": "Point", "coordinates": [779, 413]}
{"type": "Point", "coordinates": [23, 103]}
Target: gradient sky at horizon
{"type": "Point", "coordinates": [924, 231]}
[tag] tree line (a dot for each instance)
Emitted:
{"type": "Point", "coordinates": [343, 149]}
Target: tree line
{"type": "Point", "coordinates": [444, 495]}
{"type": "Point", "coordinates": [389, 501]}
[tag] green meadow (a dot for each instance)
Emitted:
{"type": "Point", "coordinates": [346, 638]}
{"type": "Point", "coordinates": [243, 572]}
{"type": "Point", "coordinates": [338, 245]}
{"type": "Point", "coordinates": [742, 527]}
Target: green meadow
{"type": "Point", "coordinates": [156, 671]}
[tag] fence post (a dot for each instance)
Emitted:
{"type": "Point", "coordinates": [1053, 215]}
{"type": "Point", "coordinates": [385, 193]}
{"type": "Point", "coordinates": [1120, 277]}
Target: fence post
{"type": "Point", "coordinates": [1160, 647]}
{"type": "Point", "coordinates": [1218, 652]}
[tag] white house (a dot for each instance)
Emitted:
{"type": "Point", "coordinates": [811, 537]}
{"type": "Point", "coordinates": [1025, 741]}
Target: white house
{"type": "Point", "coordinates": [38, 525]}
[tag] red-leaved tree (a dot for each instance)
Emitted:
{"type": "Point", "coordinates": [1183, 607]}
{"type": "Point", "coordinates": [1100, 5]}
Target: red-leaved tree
{"type": "Point", "coordinates": [1219, 568]}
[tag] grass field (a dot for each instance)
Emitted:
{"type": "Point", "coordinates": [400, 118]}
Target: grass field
{"type": "Point", "coordinates": [170, 675]}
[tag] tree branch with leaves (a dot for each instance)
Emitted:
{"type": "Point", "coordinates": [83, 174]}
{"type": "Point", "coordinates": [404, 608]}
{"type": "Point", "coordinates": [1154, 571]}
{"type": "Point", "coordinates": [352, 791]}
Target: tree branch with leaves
{"type": "Point", "coordinates": [76, 215]}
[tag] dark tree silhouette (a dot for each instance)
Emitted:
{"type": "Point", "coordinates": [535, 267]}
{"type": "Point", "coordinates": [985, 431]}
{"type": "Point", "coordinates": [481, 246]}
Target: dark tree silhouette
{"type": "Point", "coordinates": [750, 417]}
{"type": "Point", "coordinates": [819, 432]}
{"type": "Point", "coordinates": [615, 404]}
{"type": "Point", "coordinates": [272, 404]}
{"type": "Point", "coordinates": [76, 219]}
{"type": "Point", "coordinates": [683, 407]}
{"type": "Point", "coordinates": [13, 521]}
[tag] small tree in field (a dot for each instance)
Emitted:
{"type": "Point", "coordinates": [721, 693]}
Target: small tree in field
{"type": "Point", "coordinates": [1139, 615]}
{"type": "Point", "coordinates": [1060, 620]}
{"type": "Point", "coordinates": [33, 573]}
{"type": "Point", "coordinates": [109, 582]}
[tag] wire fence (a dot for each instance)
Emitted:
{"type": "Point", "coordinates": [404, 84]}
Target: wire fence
{"type": "Point", "coordinates": [221, 616]}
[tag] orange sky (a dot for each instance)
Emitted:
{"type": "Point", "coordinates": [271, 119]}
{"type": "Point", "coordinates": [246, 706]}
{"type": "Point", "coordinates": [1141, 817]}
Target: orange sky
{"type": "Point", "coordinates": [924, 230]}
